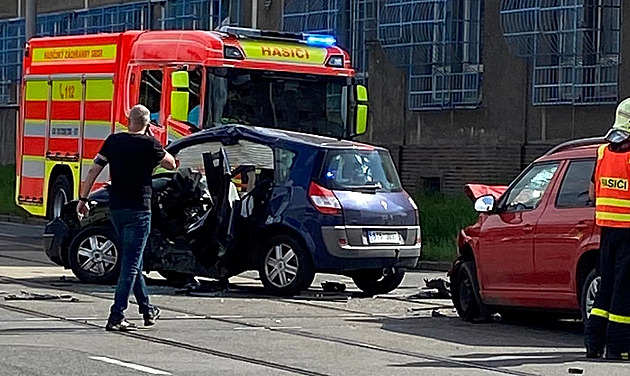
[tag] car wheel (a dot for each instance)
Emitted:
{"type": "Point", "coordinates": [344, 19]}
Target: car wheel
{"type": "Point", "coordinates": [465, 294]}
{"type": "Point", "coordinates": [94, 255]}
{"type": "Point", "coordinates": [286, 266]}
{"type": "Point", "coordinates": [373, 282]}
{"type": "Point", "coordinates": [60, 194]}
{"type": "Point", "coordinates": [590, 288]}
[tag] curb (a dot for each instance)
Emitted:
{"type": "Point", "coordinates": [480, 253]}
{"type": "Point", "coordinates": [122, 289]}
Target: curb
{"type": "Point", "coordinates": [23, 220]}
{"type": "Point", "coordinates": [438, 266]}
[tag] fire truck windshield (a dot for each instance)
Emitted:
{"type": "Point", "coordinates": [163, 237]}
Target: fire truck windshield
{"type": "Point", "coordinates": [297, 102]}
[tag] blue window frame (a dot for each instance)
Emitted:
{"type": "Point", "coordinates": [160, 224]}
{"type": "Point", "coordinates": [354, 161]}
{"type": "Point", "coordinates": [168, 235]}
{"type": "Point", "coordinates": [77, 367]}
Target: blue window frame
{"type": "Point", "coordinates": [574, 47]}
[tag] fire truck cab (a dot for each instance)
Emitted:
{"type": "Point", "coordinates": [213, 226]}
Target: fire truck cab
{"type": "Point", "coordinates": [76, 90]}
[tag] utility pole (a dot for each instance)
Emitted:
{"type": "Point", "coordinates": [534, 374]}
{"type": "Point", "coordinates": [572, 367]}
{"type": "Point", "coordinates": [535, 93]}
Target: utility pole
{"type": "Point", "coordinates": [31, 19]}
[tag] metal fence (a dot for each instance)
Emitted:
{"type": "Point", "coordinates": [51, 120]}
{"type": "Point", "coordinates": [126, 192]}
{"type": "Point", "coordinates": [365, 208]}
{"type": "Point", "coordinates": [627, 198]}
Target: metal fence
{"type": "Point", "coordinates": [141, 15]}
{"type": "Point", "coordinates": [574, 47]}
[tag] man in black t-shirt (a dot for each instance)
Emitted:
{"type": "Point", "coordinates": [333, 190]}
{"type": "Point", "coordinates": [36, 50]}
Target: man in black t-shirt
{"type": "Point", "coordinates": [132, 156]}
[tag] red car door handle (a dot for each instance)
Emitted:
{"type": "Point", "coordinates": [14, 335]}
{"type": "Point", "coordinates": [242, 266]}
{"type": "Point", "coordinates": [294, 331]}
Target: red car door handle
{"type": "Point", "coordinates": [528, 228]}
{"type": "Point", "coordinates": [581, 226]}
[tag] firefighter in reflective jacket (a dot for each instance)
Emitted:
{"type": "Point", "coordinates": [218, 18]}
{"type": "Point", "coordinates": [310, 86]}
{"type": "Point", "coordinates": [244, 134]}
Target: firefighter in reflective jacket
{"type": "Point", "coordinates": [608, 326]}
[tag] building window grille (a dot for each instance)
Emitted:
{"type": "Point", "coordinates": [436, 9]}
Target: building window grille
{"type": "Point", "coordinates": [439, 44]}
{"type": "Point", "coordinates": [574, 47]}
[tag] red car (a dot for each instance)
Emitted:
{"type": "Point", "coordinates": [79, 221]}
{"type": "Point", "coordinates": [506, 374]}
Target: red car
{"type": "Point", "coordinates": [535, 244]}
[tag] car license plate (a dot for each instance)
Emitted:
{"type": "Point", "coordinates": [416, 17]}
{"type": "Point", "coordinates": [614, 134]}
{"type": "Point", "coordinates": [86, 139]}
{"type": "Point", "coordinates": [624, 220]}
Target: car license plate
{"type": "Point", "coordinates": [384, 237]}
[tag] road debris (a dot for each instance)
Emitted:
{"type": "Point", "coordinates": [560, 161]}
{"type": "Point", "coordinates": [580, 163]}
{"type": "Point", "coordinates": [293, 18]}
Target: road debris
{"type": "Point", "coordinates": [25, 295]}
{"type": "Point", "coordinates": [329, 286]}
{"type": "Point", "coordinates": [437, 288]}
{"type": "Point", "coordinates": [576, 371]}
{"type": "Point", "coordinates": [437, 313]}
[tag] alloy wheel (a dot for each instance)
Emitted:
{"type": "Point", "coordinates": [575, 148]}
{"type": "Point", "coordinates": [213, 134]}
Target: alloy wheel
{"type": "Point", "coordinates": [591, 294]}
{"type": "Point", "coordinates": [281, 265]}
{"type": "Point", "coordinates": [97, 255]}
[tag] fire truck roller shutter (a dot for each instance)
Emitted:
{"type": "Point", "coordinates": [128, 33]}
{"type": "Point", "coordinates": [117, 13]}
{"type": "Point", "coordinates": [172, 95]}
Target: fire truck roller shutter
{"type": "Point", "coordinates": [30, 191]}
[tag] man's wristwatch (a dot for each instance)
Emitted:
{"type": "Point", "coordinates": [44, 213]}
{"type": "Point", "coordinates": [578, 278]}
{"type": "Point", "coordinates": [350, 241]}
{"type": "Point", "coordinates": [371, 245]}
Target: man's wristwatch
{"type": "Point", "coordinates": [83, 199]}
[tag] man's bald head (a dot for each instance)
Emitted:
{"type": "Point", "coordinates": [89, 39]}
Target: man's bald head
{"type": "Point", "coordinates": [139, 118]}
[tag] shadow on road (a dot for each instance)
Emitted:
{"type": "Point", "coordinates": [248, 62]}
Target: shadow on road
{"type": "Point", "coordinates": [510, 333]}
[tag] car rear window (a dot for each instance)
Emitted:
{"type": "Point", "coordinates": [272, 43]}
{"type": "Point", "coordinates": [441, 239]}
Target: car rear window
{"type": "Point", "coordinates": [574, 189]}
{"type": "Point", "coordinates": [348, 169]}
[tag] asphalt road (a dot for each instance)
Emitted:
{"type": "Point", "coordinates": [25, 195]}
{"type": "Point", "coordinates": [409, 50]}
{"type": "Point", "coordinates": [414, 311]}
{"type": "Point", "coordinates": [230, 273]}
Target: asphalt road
{"type": "Point", "coordinates": [244, 332]}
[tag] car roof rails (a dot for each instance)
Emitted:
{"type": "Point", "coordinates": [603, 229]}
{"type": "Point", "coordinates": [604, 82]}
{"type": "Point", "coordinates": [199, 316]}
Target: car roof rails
{"type": "Point", "coordinates": [576, 143]}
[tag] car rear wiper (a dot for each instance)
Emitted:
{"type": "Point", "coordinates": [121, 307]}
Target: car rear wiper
{"type": "Point", "coordinates": [371, 188]}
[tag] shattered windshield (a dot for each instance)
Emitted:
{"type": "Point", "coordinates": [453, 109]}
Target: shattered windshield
{"type": "Point", "coordinates": [303, 103]}
{"type": "Point", "coordinates": [360, 169]}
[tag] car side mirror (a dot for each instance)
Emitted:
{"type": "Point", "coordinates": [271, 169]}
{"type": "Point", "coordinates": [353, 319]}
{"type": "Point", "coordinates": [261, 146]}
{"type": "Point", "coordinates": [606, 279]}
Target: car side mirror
{"type": "Point", "coordinates": [361, 115]}
{"type": "Point", "coordinates": [180, 95]}
{"type": "Point", "coordinates": [485, 204]}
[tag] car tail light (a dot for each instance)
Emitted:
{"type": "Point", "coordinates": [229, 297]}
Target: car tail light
{"type": "Point", "coordinates": [324, 199]}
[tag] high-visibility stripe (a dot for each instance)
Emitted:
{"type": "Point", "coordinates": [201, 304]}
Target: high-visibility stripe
{"type": "Point", "coordinates": [600, 151]}
{"type": "Point", "coordinates": [98, 130]}
{"type": "Point", "coordinates": [67, 90]}
{"type": "Point", "coordinates": [99, 90]}
{"type": "Point", "coordinates": [74, 54]}
{"type": "Point", "coordinates": [64, 129]}
{"type": "Point", "coordinates": [36, 90]}
{"type": "Point", "coordinates": [85, 168]}
{"type": "Point", "coordinates": [98, 110]}
{"type": "Point", "coordinates": [34, 209]}
{"type": "Point", "coordinates": [35, 128]}
{"type": "Point", "coordinates": [612, 216]}
{"type": "Point", "coordinates": [31, 188]}
{"type": "Point", "coordinates": [33, 145]}
{"type": "Point", "coordinates": [120, 128]}
{"type": "Point", "coordinates": [173, 135]}
{"type": "Point", "coordinates": [619, 319]}
{"type": "Point", "coordinates": [91, 147]}
{"type": "Point", "coordinates": [33, 168]}
{"type": "Point", "coordinates": [35, 110]}
{"type": "Point", "coordinates": [67, 110]}
{"type": "Point", "coordinates": [599, 312]}
{"type": "Point", "coordinates": [606, 201]}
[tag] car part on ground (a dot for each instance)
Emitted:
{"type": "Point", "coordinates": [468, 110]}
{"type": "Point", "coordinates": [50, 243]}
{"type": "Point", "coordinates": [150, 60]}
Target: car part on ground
{"type": "Point", "coordinates": [94, 256]}
{"type": "Point", "coordinates": [378, 281]}
{"type": "Point", "coordinates": [465, 293]}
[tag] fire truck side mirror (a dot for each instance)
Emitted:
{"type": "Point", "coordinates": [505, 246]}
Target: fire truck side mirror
{"type": "Point", "coordinates": [361, 115]}
{"type": "Point", "coordinates": [180, 95]}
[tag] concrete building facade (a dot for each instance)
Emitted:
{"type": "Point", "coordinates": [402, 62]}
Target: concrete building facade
{"type": "Point", "coordinates": [460, 90]}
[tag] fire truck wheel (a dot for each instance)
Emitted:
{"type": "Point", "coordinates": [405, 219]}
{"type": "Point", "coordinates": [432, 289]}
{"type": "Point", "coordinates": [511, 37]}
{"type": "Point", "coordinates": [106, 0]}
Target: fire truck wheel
{"type": "Point", "coordinates": [60, 194]}
{"type": "Point", "coordinates": [94, 256]}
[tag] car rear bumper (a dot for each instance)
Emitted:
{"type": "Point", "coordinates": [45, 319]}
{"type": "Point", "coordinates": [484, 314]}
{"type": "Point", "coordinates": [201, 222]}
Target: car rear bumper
{"type": "Point", "coordinates": [350, 242]}
{"type": "Point", "coordinates": [54, 238]}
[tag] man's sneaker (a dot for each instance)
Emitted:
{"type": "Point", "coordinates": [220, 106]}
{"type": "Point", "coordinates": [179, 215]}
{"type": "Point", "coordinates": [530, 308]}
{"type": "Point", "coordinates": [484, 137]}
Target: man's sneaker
{"type": "Point", "coordinates": [121, 326]}
{"type": "Point", "coordinates": [151, 317]}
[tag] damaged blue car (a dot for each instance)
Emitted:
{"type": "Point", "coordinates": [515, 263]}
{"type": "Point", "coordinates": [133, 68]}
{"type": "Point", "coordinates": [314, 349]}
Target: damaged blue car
{"type": "Point", "coordinates": [243, 198]}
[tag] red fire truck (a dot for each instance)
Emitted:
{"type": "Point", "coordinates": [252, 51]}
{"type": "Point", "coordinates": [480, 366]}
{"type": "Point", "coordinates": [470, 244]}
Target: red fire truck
{"type": "Point", "coordinates": [77, 90]}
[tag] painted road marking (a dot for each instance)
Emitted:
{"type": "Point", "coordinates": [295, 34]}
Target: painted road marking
{"type": "Point", "coordinates": [137, 367]}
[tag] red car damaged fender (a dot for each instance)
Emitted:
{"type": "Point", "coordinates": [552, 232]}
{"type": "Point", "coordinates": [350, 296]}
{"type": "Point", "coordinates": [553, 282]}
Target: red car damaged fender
{"type": "Point", "coordinates": [535, 244]}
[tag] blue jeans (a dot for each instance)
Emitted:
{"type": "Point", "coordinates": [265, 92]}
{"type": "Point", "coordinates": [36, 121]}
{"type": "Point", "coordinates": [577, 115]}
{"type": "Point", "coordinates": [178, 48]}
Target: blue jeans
{"type": "Point", "coordinates": [132, 228]}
